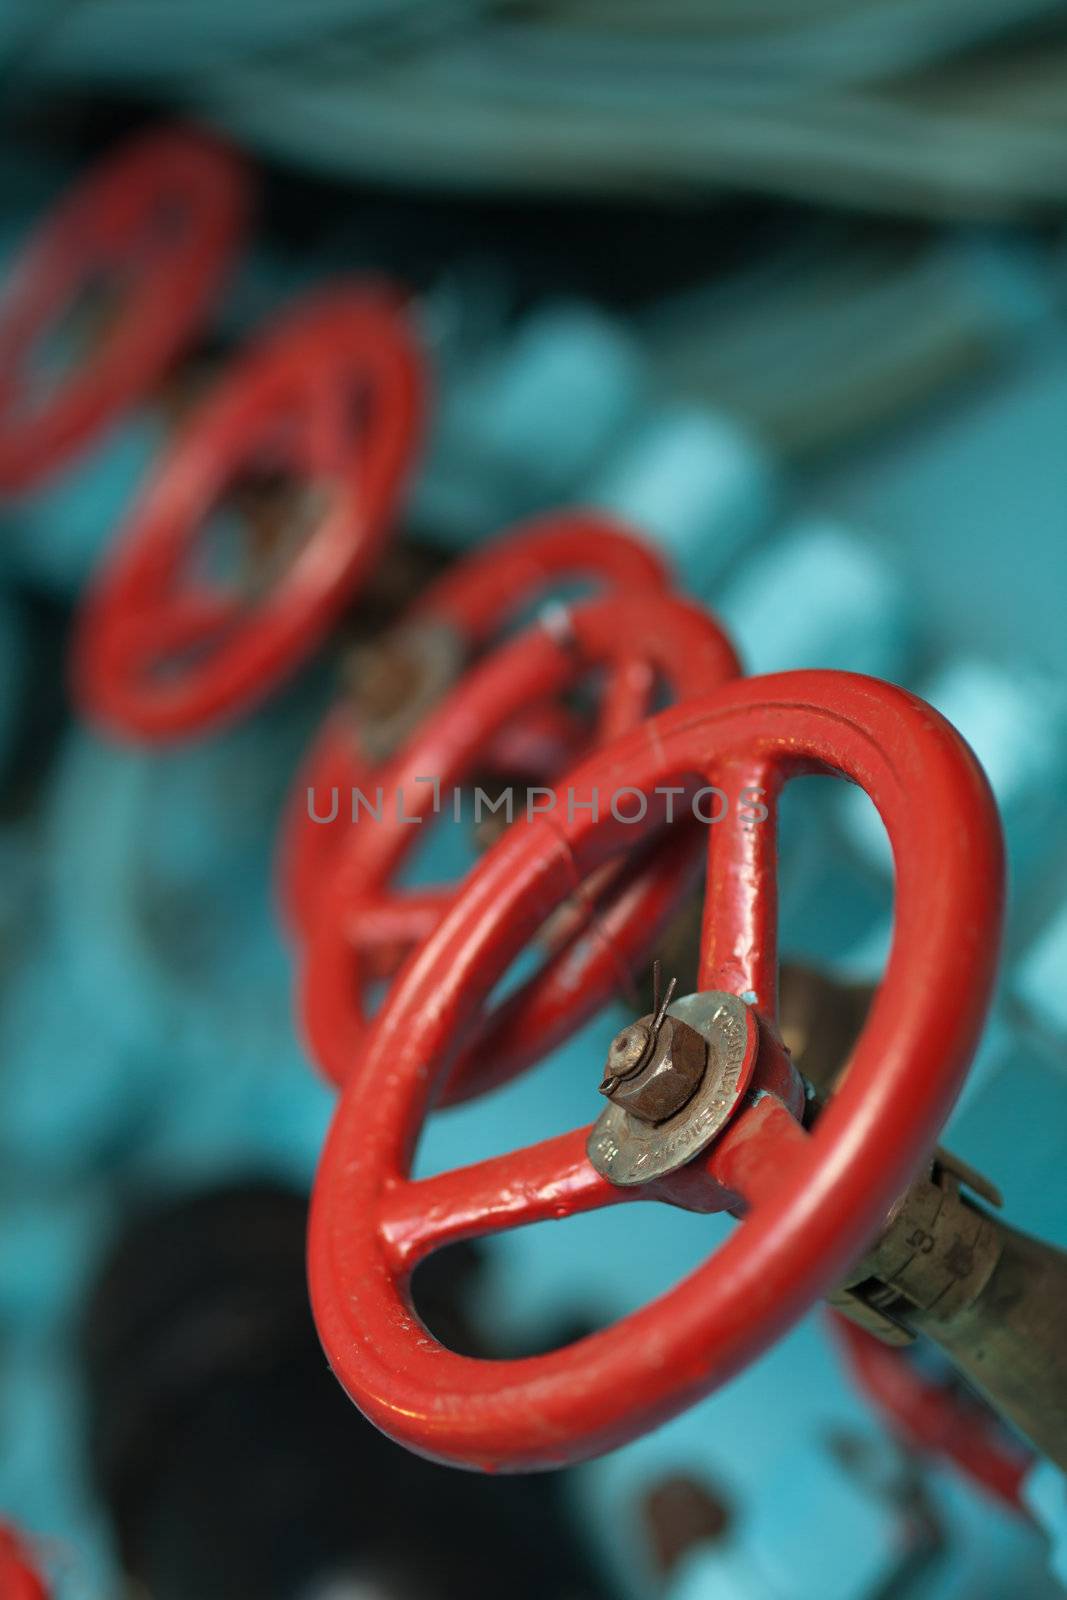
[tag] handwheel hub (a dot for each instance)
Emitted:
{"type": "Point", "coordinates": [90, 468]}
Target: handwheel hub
{"type": "Point", "coordinates": [396, 681]}
{"type": "Point", "coordinates": [673, 1079]}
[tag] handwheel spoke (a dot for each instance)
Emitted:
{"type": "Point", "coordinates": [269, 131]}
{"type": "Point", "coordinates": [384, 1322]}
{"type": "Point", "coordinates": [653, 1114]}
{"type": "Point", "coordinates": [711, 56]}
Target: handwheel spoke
{"type": "Point", "coordinates": [539, 743]}
{"type": "Point", "coordinates": [550, 1180]}
{"type": "Point", "coordinates": [189, 621]}
{"type": "Point", "coordinates": [387, 927]}
{"type": "Point", "coordinates": [333, 417]}
{"type": "Point", "coordinates": [751, 1156]}
{"type": "Point", "coordinates": [627, 698]}
{"type": "Point", "coordinates": [555, 1179]}
{"type": "Point", "coordinates": [739, 938]}
{"type": "Point", "coordinates": [597, 946]}
{"type": "Point", "coordinates": [742, 1168]}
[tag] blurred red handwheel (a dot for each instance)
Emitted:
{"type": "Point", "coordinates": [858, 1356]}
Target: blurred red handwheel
{"type": "Point", "coordinates": [939, 1419]}
{"type": "Point", "coordinates": [331, 398]}
{"type": "Point", "coordinates": [464, 610]}
{"type": "Point", "coordinates": [147, 237]}
{"type": "Point", "coordinates": [364, 924]}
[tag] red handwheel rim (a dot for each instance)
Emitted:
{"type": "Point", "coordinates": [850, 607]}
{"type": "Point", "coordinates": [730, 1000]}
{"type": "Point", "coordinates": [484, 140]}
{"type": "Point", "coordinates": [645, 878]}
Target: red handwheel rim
{"type": "Point", "coordinates": [165, 214]}
{"type": "Point", "coordinates": [812, 1201]}
{"type": "Point", "coordinates": [18, 1578]}
{"type": "Point", "coordinates": [292, 390]}
{"type": "Point", "coordinates": [475, 598]}
{"type": "Point", "coordinates": [481, 593]}
{"type": "Point", "coordinates": [645, 638]}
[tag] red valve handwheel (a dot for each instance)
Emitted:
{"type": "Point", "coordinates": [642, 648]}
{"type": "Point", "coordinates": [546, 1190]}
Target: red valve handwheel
{"type": "Point", "coordinates": [157, 224]}
{"type": "Point", "coordinates": [363, 926]}
{"type": "Point", "coordinates": [333, 395]}
{"type": "Point", "coordinates": [18, 1579]}
{"type": "Point", "coordinates": [937, 1419]}
{"type": "Point", "coordinates": [810, 1202]}
{"type": "Point", "coordinates": [475, 599]}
